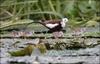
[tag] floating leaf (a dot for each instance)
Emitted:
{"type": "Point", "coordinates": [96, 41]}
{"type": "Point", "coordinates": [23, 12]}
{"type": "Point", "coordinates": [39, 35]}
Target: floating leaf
{"type": "Point", "coordinates": [26, 51]}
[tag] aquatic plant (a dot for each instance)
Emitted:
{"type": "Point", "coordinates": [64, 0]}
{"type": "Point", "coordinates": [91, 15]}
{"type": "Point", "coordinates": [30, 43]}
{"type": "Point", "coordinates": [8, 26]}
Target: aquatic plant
{"type": "Point", "coordinates": [26, 51]}
{"type": "Point", "coordinates": [75, 44]}
{"type": "Point", "coordinates": [59, 46]}
{"type": "Point", "coordinates": [42, 48]}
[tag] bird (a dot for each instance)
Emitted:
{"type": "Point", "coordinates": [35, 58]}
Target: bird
{"type": "Point", "coordinates": [55, 26]}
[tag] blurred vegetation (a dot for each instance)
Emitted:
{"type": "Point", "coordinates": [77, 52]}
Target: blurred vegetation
{"type": "Point", "coordinates": [79, 12]}
{"type": "Point", "coordinates": [42, 48]}
{"type": "Point", "coordinates": [26, 51]}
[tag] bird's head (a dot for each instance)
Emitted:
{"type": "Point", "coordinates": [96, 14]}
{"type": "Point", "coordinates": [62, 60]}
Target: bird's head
{"type": "Point", "coordinates": [65, 20]}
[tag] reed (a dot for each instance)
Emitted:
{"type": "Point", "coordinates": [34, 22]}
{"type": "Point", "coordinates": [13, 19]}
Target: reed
{"type": "Point", "coordinates": [78, 10]}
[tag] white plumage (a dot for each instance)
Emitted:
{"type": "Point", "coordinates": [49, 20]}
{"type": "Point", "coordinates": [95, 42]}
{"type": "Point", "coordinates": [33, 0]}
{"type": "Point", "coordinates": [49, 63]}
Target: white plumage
{"type": "Point", "coordinates": [51, 25]}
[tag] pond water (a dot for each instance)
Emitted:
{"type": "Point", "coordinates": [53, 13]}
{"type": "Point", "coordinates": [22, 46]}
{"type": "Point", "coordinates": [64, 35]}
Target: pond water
{"type": "Point", "coordinates": [80, 56]}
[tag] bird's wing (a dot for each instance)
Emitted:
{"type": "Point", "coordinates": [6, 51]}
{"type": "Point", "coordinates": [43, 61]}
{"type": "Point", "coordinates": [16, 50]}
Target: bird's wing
{"type": "Point", "coordinates": [52, 21]}
{"type": "Point", "coordinates": [51, 25]}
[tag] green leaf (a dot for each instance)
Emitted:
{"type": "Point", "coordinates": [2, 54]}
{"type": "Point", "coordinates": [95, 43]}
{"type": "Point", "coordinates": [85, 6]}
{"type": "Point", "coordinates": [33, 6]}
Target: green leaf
{"type": "Point", "coordinates": [26, 51]}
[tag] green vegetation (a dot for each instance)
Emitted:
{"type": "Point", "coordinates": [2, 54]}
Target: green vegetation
{"type": "Point", "coordinates": [42, 48]}
{"type": "Point", "coordinates": [79, 12]}
{"type": "Point", "coordinates": [21, 13]}
{"type": "Point", "coordinates": [26, 51]}
{"type": "Point", "coordinates": [92, 34]}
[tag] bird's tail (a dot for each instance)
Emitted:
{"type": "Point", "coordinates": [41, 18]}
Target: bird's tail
{"type": "Point", "coordinates": [35, 21]}
{"type": "Point", "coordinates": [40, 22]}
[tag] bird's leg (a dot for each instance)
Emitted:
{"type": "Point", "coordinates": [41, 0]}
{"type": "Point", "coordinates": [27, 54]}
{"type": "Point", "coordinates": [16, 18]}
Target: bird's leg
{"type": "Point", "coordinates": [58, 34]}
{"type": "Point", "coordinates": [55, 34]}
{"type": "Point", "coordinates": [61, 34]}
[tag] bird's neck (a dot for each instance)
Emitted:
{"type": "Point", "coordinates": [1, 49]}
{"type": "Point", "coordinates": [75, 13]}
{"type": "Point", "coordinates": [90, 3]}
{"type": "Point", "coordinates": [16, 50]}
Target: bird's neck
{"type": "Point", "coordinates": [63, 24]}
